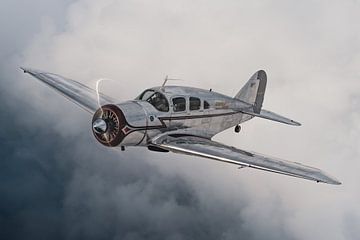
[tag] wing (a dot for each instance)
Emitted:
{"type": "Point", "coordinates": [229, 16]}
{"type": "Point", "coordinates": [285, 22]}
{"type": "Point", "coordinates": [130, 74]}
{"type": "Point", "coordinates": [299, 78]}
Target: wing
{"type": "Point", "coordinates": [76, 92]}
{"type": "Point", "coordinates": [202, 147]}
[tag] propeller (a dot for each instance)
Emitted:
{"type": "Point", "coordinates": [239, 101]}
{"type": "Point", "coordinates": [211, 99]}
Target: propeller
{"type": "Point", "coordinates": [108, 121]}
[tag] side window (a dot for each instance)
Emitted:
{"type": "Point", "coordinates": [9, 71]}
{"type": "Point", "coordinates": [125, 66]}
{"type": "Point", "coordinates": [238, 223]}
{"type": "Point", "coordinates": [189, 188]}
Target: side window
{"type": "Point", "coordinates": [179, 104]}
{"type": "Point", "coordinates": [206, 105]}
{"type": "Point", "coordinates": [194, 103]}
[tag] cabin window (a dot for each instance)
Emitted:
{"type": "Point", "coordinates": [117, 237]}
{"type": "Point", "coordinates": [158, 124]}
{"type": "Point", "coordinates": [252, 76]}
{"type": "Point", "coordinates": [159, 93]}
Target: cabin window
{"type": "Point", "coordinates": [206, 105]}
{"type": "Point", "coordinates": [194, 103]}
{"type": "Point", "coordinates": [156, 99]}
{"type": "Point", "coordinates": [179, 104]}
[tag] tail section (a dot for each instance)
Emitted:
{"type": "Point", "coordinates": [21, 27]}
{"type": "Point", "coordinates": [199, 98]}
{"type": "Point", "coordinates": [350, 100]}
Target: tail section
{"type": "Point", "coordinates": [254, 90]}
{"type": "Point", "coordinates": [253, 93]}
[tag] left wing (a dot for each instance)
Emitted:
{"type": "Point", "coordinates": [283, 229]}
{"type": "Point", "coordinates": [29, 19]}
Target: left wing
{"type": "Point", "coordinates": [203, 147]}
{"type": "Point", "coordinates": [76, 92]}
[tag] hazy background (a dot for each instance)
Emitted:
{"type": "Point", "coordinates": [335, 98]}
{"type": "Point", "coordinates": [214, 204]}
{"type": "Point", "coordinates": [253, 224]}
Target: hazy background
{"type": "Point", "coordinates": [57, 182]}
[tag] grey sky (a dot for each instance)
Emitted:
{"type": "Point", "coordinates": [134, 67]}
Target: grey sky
{"type": "Point", "coordinates": [311, 52]}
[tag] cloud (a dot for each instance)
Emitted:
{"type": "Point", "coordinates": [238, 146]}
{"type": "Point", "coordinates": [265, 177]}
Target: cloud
{"type": "Point", "coordinates": [55, 186]}
{"type": "Point", "coordinates": [310, 51]}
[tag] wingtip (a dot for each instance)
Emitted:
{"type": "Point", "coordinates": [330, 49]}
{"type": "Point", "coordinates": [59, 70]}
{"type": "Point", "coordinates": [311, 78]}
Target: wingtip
{"type": "Point", "coordinates": [30, 70]}
{"type": "Point", "coordinates": [331, 180]}
{"type": "Point", "coordinates": [24, 69]}
{"type": "Point", "coordinates": [294, 123]}
{"type": "Point", "coordinates": [336, 182]}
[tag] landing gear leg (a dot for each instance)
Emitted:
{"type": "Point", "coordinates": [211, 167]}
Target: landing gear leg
{"type": "Point", "coordinates": [237, 128]}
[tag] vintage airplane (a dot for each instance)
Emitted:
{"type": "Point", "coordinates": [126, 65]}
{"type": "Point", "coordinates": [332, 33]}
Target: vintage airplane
{"type": "Point", "coordinates": [181, 120]}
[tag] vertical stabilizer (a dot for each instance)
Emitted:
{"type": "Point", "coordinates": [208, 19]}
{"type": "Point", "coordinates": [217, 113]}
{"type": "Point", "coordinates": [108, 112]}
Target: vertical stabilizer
{"type": "Point", "coordinates": [254, 90]}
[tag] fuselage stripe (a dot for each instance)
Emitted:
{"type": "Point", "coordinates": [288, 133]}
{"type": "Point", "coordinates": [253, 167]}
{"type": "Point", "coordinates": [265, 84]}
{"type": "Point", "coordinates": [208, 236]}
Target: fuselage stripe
{"type": "Point", "coordinates": [163, 125]}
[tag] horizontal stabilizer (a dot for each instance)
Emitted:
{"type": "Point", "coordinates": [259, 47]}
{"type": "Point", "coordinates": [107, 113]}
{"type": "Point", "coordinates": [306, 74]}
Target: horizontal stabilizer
{"type": "Point", "coordinates": [271, 116]}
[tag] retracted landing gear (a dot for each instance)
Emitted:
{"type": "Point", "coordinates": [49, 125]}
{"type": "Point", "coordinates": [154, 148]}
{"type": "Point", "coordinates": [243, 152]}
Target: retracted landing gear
{"type": "Point", "coordinates": [237, 128]}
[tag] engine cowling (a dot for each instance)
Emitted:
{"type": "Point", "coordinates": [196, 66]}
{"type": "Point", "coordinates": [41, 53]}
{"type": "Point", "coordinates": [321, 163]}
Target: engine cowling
{"type": "Point", "coordinates": [107, 124]}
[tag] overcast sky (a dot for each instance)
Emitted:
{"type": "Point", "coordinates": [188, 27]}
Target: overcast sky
{"type": "Point", "coordinates": [57, 182]}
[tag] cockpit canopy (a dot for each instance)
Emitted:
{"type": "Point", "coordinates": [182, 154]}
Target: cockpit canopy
{"type": "Point", "coordinates": [157, 99]}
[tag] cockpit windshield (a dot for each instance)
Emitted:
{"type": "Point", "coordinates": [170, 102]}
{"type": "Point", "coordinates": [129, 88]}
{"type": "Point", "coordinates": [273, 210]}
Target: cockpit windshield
{"type": "Point", "coordinates": [156, 99]}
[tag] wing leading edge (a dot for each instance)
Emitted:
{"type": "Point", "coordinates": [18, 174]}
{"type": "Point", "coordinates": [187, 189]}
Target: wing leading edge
{"type": "Point", "coordinates": [76, 92]}
{"type": "Point", "coordinates": [202, 147]}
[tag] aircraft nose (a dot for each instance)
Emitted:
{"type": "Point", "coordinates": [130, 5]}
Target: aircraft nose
{"type": "Point", "coordinates": [100, 126]}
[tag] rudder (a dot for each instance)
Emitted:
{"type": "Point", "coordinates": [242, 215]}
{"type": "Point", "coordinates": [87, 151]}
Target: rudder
{"type": "Point", "coordinates": [254, 90]}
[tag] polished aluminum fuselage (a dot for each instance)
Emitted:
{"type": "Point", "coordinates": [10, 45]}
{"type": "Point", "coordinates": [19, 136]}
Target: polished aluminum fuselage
{"type": "Point", "coordinates": [181, 120]}
{"type": "Point", "coordinates": [146, 122]}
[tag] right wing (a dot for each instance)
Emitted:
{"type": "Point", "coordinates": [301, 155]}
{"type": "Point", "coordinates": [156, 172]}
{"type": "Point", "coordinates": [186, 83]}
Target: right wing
{"type": "Point", "coordinates": [76, 92]}
{"type": "Point", "coordinates": [202, 147]}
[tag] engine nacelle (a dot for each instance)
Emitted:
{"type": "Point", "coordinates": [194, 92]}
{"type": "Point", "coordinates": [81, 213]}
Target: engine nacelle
{"type": "Point", "coordinates": [123, 124]}
{"type": "Point", "coordinates": [107, 124]}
